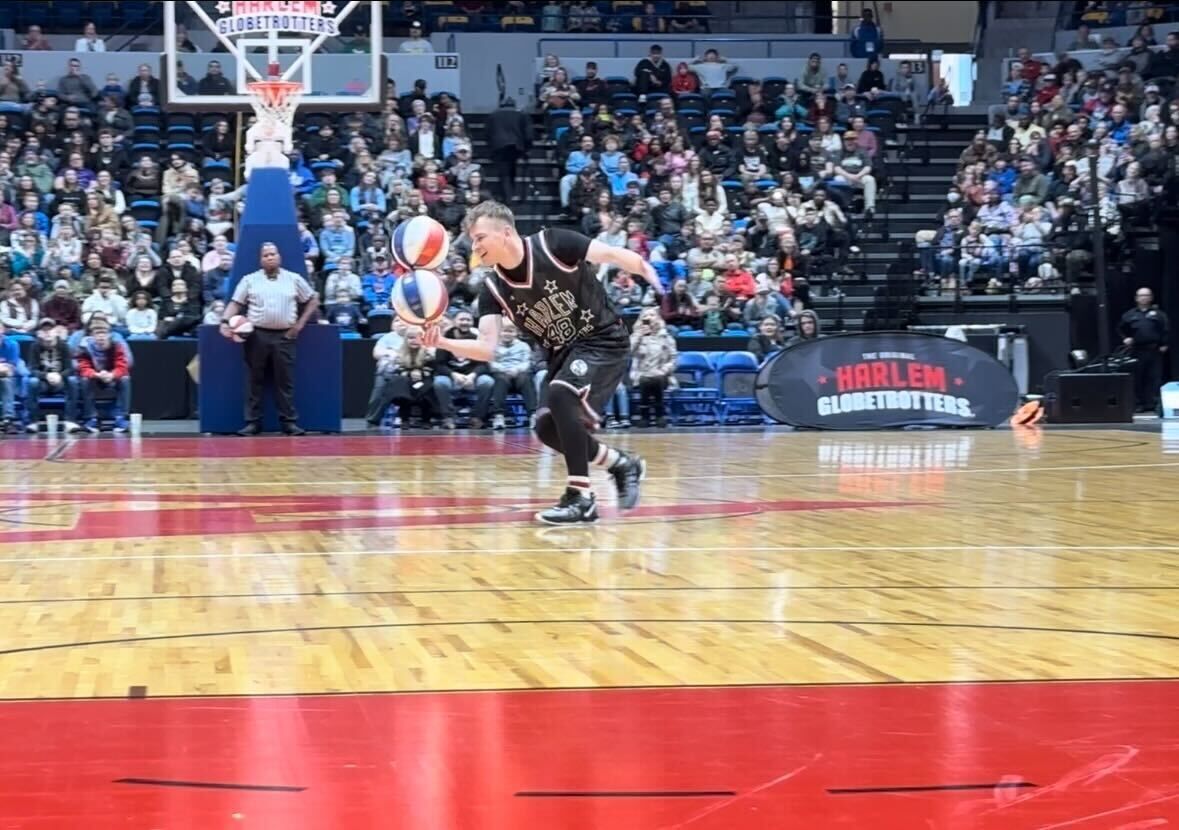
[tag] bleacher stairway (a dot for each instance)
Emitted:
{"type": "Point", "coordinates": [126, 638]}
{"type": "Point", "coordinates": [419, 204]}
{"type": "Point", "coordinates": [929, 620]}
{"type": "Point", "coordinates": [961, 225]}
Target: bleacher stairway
{"type": "Point", "coordinates": [910, 203]}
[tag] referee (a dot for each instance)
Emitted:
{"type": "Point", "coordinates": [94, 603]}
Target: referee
{"type": "Point", "coordinates": [271, 297]}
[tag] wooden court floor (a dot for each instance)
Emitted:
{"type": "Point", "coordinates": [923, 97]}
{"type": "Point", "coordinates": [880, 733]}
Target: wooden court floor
{"type": "Point", "coordinates": [887, 630]}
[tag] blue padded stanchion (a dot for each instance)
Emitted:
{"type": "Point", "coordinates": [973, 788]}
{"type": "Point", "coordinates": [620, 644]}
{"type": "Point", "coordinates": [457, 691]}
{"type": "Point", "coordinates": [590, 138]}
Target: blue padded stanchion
{"type": "Point", "coordinates": [269, 217]}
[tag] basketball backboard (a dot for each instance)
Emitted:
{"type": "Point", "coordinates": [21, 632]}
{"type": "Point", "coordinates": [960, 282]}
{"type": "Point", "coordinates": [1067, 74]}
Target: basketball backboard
{"type": "Point", "coordinates": [326, 46]}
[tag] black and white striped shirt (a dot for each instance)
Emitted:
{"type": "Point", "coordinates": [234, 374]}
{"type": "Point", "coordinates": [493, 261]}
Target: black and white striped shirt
{"type": "Point", "coordinates": [272, 303]}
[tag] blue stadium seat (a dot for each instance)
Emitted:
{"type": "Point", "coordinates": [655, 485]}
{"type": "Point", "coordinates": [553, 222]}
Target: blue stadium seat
{"type": "Point", "coordinates": [691, 99]}
{"type": "Point", "coordinates": [695, 401]}
{"type": "Point", "coordinates": [737, 374]}
{"type": "Point", "coordinates": [145, 210]}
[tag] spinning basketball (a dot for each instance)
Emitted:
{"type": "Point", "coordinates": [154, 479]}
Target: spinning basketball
{"type": "Point", "coordinates": [420, 297]}
{"type": "Point", "coordinates": [420, 242]}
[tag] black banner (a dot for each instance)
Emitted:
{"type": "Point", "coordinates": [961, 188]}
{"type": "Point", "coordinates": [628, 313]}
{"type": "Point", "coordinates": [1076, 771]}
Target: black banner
{"type": "Point", "coordinates": [882, 380]}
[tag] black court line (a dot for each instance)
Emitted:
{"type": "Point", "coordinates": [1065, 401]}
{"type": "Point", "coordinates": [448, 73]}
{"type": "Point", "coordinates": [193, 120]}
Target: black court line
{"type": "Point", "coordinates": [899, 586]}
{"type": "Point", "coordinates": [310, 629]}
{"type": "Point", "coordinates": [628, 794]}
{"type": "Point", "coordinates": [998, 785]}
{"type": "Point", "coordinates": [210, 785]}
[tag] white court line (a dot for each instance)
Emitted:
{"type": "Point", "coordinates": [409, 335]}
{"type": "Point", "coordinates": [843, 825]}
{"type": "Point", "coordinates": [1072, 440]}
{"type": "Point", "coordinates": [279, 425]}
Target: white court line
{"type": "Point", "coordinates": [42, 559]}
{"type": "Point", "coordinates": [123, 487]}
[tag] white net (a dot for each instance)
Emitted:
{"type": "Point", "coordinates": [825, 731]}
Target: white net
{"type": "Point", "coordinates": [275, 101]}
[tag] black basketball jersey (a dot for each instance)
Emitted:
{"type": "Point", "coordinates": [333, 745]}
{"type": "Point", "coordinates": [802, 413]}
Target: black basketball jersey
{"type": "Point", "coordinates": [554, 296]}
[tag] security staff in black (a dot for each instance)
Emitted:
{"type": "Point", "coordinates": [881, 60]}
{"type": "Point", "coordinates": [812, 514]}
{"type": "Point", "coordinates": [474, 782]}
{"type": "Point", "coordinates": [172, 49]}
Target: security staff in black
{"type": "Point", "coordinates": [1146, 330]}
{"type": "Point", "coordinates": [545, 284]}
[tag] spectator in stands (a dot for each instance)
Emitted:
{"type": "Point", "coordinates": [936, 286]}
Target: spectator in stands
{"type": "Point", "coordinates": [19, 312]}
{"type": "Point", "coordinates": [848, 105]}
{"type": "Point", "coordinates": [183, 43]}
{"type": "Point", "coordinates": [790, 105]}
{"type": "Point", "coordinates": [715, 156]}
{"type": "Point", "coordinates": [51, 372]}
{"type": "Point", "coordinates": [808, 328]}
{"type": "Point", "coordinates": [142, 319]}
{"type": "Point", "coordinates": [180, 312]}
{"type": "Point", "coordinates": [104, 364]}
{"type": "Point", "coordinates": [416, 44]}
{"type": "Point", "coordinates": [75, 87]}
{"type": "Point", "coordinates": [511, 369]}
{"type": "Point", "coordinates": [412, 384]}
{"type": "Point", "coordinates": [1084, 39]}
{"type": "Point", "coordinates": [683, 81]}
{"type": "Point", "coordinates": [1030, 183]}
{"type": "Point", "coordinates": [812, 80]}
{"type": "Point", "coordinates": [107, 301]}
{"type": "Point", "coordinates": [385, 353]}
{"type": "Point", "coordinates": [214, 82]}
{"type": "Point", "coordinates": [558, 93]}
{"type": "Point", "coordinates": [89, 41]}
{"type": "Point", "coordinates": [653, 361]}
{"type": "Point", "coordinates": [63, 307]}
{"type": "Point", "coordinates": [35, 40]}
{"type": "Point", "coordinates": [852, 168]}
{"type": "Point", "coordinates": [713, 70]}
{"type": "Point", "coordinates": [461, 377]}
{"type": "Point", "coordinates": [344, 312]}
{"type": "Point", "coordinates": [584, 17]}
{"type": "Point", "coordinates": [653, 73]}
{"type": "Point", "coordinates": [1107, 60]}
{"type": "Point", "coordinates": [768, 339]}
{"type": "Point", "coordinates": [871, 81]}
{"type": "Point", "coordinates": [678, 307]}
{"type": "Point", "coordinates": [12, 373]}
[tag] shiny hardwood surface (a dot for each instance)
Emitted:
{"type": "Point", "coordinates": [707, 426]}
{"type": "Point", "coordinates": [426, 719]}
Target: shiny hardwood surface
{"type": "Point", "coordinates": [219, 566]}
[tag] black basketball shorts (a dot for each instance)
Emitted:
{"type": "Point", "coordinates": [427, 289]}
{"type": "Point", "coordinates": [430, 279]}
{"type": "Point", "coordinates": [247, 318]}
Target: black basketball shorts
{"type": "Point", "coordinates": [591, 368]}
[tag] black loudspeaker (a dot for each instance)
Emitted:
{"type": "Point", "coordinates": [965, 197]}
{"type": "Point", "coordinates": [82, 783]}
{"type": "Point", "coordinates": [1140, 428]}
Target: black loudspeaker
{"type": "Point", "coordinates": [1089, 398]}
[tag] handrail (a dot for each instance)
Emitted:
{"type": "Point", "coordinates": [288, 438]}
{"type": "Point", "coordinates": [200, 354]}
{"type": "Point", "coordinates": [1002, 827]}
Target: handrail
{"type": "Point", "coordinates": [706, 41]}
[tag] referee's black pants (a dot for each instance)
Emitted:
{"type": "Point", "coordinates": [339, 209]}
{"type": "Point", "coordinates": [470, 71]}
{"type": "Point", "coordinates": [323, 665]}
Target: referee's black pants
{"type": "Point", "coordinates": [268, 351]}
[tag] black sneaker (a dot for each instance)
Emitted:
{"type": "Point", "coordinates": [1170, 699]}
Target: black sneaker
{"type": "Point", "coordinates": [628, 472]}
{"type": "Point", "coordinates": [573, 508]}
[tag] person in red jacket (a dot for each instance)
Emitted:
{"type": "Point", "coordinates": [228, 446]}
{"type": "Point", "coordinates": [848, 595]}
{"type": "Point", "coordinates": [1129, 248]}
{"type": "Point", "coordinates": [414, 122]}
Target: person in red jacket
{"type": "Point", "coordinates": [103, 365]}
{"type": "Point", "coordinates": [684, 80]}
{"type": "Point", "coordinates": [739, 283]}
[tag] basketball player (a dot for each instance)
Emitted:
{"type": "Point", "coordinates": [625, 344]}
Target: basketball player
{"type": "Point", "coordinates": [545, 284]}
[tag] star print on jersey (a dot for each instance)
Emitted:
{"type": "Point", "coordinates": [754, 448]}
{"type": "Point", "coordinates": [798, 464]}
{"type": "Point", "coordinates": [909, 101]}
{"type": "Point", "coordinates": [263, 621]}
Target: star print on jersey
{"type": "Point", "coordinates": [587, 316]}
{"type": "Point", "coordinates": [329, 7]}
{"type": "Point", "coordinates": [223, 7]}
{"type": "Point", "coordinates": [550, 287]}
{"type": "Point", "coordinates": [521, 309]}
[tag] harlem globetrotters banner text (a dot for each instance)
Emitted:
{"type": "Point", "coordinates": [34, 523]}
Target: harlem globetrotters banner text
{"type": "Point", "coordinates": [882, 380]}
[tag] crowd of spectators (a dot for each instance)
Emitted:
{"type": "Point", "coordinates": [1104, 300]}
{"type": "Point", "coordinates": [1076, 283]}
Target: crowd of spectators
{"type": "Point", "coordinates": [1017, 216]}
{"type": "Point", "coordinates": [111, 214]}
{"type": "Point", "coordinates": [741, 193]}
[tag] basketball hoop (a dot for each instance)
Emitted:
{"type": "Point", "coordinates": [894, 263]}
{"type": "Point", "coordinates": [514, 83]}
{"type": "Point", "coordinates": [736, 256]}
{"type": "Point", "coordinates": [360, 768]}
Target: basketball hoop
{"type": "Point", "coordinates": [275, 100]}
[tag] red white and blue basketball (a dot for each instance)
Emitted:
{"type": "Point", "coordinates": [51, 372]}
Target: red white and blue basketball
{"type": "Point", "coordinates": [420, 297]}
{"type": "Point", "coordinates": [420, 242]}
